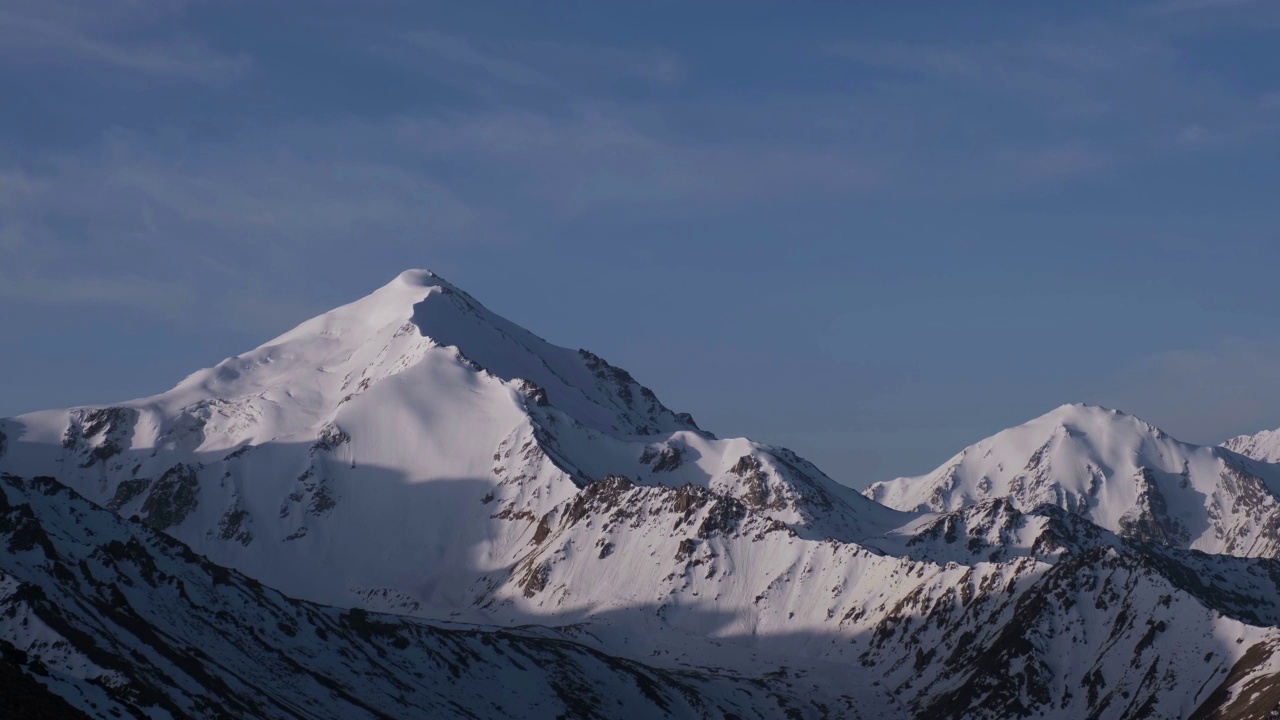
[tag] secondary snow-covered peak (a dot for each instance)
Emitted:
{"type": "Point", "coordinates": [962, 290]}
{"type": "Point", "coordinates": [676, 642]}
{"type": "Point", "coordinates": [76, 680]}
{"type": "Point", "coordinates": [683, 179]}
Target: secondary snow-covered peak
{"type": "Point", "coordinates": [1263, 446]}
{"type": "Point", "coordinates": [412, 419]}
{"type": "Point", "coordinates": [1117, 470]}
{"type": "Point", "coordinates": [1084, 417]}
{"type": "Point", "coordinates": [1104, 435]}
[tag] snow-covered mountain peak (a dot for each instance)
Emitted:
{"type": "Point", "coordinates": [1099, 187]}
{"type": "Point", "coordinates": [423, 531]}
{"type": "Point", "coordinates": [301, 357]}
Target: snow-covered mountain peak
{"type": "Point", "coordinates": [1078, 419]}
{"type": "Point", "coordinates": [418, 331]}
{"type": "Point", "coordinates": [316, 345]}
{"type": "Point", "coordinates": [415, 453]}
{"type": "Point", "coordinates": [1117, 470]}
{"type": "Point", "coordinates": [409, 425]}
{"type": "Point", "coordinates": [1263, 446]}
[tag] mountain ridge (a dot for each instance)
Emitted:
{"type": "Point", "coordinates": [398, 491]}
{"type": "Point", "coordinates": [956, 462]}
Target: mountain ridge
{"type": "Point", "coordinates": [413, 454]}
{"type": "Point", "coordinates": [192, 640]}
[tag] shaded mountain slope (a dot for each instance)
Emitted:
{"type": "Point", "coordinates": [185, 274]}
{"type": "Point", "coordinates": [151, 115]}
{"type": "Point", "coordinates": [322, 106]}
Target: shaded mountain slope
{"type": "Point", "coordinates": [116, 618]}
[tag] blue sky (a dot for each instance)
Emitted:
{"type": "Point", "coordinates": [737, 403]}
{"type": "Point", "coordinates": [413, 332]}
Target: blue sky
{"type": "Point", "coordinates": [874, 232]}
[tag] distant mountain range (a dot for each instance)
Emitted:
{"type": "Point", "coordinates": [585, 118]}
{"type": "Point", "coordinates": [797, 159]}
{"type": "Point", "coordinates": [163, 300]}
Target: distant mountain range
{"type": "Point", "coordinates": [411, 507]}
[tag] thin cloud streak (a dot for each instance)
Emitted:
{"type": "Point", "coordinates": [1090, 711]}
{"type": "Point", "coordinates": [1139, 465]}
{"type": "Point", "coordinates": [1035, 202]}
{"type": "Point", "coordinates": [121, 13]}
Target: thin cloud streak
{"type": "Point", "coordinates": [570, 72]}
{"type": "Point", "coordinates": [26, 39]}
{"type": "Point", "coordinates": [273, 195]}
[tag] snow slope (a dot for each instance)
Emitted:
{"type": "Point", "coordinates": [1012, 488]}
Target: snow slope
{"type": "Point", "coordinates": [1119, 472]}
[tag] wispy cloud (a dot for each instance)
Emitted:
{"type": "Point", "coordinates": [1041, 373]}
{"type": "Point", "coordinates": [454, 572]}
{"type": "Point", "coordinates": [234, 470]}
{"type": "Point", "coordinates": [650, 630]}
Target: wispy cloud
{"type": "Point", "coordinates": [595, 157]}
{"type": "Point", "coordinates": [1061, 162]}
{"type": "Point", "coordinates": [429, 49]}
{"type": "Point", "coordinates": [74, 36]}
{"type": "Point", "coordinates": [576, 71]}
{"type": "Point", "coordinates": [152, 295]}
{"type": "Point", "coordinates": [568, 130]}
{"type": "Point", "coordinates": [1069, 99]}
{"type": "Point", "coordinates": [1193, 134]}
{"type": "Point", "coordinates": [1067, 71]}
{"type": "Point", "coordinates": [283, 199]}
{"type": "Point", "coordinates": [83, 225]}
{"type": "Point", "coordinates": [1188, 6]}
{"type": "Point", "coordinates": [942, 60]}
